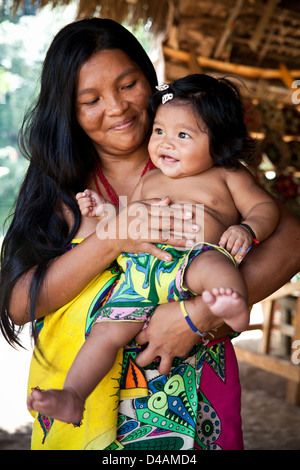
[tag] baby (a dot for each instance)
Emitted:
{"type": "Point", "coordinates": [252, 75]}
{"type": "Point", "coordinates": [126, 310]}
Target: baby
{"type": "Point", "coordinates": [197, 144]}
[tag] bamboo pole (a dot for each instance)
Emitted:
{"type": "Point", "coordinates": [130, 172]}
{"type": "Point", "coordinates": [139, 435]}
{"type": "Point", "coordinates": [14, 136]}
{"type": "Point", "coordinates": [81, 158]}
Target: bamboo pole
{"type": "Point", "coordinates": [286, 76]}
{"type": "Point", "coordinates": [243, 70]}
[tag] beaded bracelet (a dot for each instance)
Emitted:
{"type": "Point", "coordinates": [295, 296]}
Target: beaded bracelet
{"type": "Point", "coordinates": [252, 233]}
{"type": "Point", "coordinates": [189, 321]}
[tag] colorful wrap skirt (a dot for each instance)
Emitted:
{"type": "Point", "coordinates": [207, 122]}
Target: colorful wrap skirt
{"type": "Point", "coordinates": [146, 281]}
{"type": "Point", "coordinates": [196, 406]}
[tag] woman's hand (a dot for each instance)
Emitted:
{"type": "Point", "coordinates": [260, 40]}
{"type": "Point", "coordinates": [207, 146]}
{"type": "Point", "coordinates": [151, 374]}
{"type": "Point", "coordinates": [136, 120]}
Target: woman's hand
{"type": "Point", "coordinates": [139, 225]}
{"type": "Point", "coordinates": [169, 335]}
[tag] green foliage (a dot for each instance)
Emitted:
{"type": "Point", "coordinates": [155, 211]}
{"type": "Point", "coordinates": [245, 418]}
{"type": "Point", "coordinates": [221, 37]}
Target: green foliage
{"type": "Point", "coordinates": [17, 82]}
{"type": "Point", "coordinates": [142, 32]}
{"type": "Point", "coordinates": [12, 169]}
{"type": "Point", "coordinates": [23, 44]}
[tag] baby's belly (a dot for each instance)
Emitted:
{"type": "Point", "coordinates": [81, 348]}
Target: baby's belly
{"type": "Point", "coordinates": [211, 228]}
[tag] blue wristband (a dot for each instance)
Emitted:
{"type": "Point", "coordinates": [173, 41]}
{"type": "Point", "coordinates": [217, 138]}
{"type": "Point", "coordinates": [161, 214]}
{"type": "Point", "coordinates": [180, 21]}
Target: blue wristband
{"type": "Point", "coordinates": [189, 321]}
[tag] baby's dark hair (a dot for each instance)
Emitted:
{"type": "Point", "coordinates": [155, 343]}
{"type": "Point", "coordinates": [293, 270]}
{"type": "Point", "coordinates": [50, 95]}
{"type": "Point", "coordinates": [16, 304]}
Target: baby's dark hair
{"type": "Point", "coordinates": [217, 101]}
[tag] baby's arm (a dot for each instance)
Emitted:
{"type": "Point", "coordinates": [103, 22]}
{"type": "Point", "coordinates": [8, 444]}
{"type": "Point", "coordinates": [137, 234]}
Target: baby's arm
{"type": "Point", "coordinates": [259, 213]}
{"type": "Point", "coordinates": [90, 203]}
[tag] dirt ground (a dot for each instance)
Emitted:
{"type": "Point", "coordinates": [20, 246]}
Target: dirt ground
{"type": "Point", "coordinates": [268, 422]}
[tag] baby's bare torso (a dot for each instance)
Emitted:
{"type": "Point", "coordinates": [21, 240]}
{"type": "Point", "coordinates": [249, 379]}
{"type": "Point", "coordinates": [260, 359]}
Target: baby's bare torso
{"type": "Point", "coordinates": [208, 192]}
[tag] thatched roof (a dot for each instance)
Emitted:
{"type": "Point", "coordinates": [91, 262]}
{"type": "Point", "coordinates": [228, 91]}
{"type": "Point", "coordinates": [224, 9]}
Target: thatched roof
{"type": "Point", "coordinates": [119, 10]}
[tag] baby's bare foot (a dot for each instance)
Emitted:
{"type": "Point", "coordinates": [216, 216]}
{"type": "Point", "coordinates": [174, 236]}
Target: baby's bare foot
{"type": "Point", "coordinates": [64, 405]}
{"type": "Point", "coordinates": [229, 305]}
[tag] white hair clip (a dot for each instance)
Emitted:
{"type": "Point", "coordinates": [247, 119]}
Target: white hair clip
{"type": "Point", "coordinates": [162, 87]}
{"type": "Point", "coordinates": [167, 97]}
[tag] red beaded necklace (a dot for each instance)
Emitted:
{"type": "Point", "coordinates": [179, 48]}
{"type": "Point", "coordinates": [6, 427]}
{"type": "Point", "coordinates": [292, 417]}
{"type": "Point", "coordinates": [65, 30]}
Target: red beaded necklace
{"type": "Point", "coordinates": [108, 188]}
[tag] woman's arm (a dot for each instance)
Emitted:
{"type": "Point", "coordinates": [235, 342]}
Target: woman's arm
{"type": "Point", "coordinates": [266, 268]}
{"type": "Point", "coordinates": [66, 276]}
{"type": "Point", "coordinates": [271, 264]}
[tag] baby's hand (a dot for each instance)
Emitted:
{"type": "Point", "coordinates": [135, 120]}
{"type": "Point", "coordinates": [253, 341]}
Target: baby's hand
{"type": "Point", "coordinates": [90, 203]}
{"type": "Point", "coordinates": [236, 239]}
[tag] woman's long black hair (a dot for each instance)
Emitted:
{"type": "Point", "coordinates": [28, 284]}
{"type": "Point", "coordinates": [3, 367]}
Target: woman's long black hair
{"type": "Point", "coordinates": [60, 155]}
{"type": "Point", "coordinates": [217, 101]}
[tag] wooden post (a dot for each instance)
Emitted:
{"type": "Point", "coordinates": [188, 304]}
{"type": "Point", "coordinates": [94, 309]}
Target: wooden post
{"type": "Point", "coordinates": [293, 386]}
{"type": "Point", "coordinates": [282, 367]}
{"type": "Point", "coordinates": [268, 312]}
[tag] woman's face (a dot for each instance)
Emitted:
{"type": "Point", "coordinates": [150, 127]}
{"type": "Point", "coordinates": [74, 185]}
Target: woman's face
{"type": "Point", "coordinates": [111, 102]}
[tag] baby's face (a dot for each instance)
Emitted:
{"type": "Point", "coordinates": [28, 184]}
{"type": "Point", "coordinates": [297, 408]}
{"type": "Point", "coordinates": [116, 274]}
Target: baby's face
{"type": "Point", "coordinates": [177, 146]}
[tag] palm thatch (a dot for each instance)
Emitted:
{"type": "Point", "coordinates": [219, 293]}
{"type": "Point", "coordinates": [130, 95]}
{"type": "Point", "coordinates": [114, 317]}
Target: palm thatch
{"type": "Point", "coordinates": [129, 11]}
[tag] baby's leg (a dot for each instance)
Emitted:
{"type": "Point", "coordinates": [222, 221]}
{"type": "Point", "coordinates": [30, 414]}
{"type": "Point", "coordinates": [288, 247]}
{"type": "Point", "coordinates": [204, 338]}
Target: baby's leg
{"type": "Point", "coordinates": [93, 361]}
{"type": "Point", "coordinates": [214, 276]}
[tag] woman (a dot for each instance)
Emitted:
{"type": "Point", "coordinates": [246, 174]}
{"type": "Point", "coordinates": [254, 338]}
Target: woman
{"type": "Point", "coordinates": [90, 120]}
